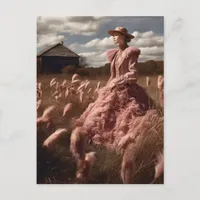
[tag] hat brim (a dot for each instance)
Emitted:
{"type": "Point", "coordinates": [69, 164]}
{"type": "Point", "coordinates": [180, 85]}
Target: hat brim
{"type": "Point", "coordinates": [111, 32]}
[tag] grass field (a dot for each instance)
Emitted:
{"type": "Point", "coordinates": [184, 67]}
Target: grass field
{"type": "Point", "coordinates": [56, 166]}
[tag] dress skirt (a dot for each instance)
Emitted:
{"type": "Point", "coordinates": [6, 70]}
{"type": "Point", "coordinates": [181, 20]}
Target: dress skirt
{"type": "Point", "coordinates": [120, 111]}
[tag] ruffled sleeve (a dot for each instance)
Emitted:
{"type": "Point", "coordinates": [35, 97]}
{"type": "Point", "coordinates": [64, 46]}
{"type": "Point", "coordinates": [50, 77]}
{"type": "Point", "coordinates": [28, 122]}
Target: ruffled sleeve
{"type": "Point", "coordinates": [110, 54]}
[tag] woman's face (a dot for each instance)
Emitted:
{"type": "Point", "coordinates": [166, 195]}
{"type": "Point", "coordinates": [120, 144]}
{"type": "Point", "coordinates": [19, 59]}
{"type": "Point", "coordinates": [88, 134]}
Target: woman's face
{"type": "Point", "coordinates": [119, 38]}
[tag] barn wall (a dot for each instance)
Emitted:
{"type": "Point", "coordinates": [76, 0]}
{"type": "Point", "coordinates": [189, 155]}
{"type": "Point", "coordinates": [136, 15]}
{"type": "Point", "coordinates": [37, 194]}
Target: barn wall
{"type": "Point", "coordinates": [39, 64]}
{"type": "Point", "coordinates": [53, 64]}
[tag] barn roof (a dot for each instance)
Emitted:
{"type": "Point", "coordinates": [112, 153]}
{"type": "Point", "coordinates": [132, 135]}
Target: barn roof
{"type": "Point", "coordinates": [57, 50]}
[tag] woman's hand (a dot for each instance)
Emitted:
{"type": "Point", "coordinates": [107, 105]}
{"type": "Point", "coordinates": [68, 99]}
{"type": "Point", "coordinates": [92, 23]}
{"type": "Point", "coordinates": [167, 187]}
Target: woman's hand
{"type": "Point", "coordinates": [112, 83]}
{"type": "Point", "coordinates": [130, 77]}
{"type": "Point", "coordinates": [116, 81]}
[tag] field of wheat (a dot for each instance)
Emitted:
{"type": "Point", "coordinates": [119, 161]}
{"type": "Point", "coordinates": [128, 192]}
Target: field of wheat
{"type": "Point", "coordinates": [55, 164]}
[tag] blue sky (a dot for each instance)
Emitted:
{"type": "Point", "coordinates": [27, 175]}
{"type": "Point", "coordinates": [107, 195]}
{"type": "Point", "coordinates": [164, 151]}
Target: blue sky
{"type": "Point", "coordinates": [88, 36]}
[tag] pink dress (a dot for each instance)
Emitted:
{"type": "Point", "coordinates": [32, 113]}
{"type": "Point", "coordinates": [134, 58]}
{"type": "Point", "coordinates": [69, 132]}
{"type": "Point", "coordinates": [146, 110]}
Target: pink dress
{"type": "Point", "coordinates": [120, 105]}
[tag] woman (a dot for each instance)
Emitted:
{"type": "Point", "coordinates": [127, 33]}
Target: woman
{"type": "Point", "coordinates": [124, 59]}
{"type": "Point", "coordinates": [120, 104]}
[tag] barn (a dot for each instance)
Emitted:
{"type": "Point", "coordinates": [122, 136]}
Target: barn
{"type": "Point", "coordinates": [53, 58]}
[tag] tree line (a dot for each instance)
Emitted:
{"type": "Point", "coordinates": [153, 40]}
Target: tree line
{"type": "Point", "coordinates": [150, 67]}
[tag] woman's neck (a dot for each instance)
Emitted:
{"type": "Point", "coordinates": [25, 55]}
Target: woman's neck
{"type": "Point", "coordinates": [121, 47]}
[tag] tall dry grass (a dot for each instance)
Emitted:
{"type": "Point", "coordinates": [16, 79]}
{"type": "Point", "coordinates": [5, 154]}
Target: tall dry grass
{"type": "Point", "coordinates": [56, 165]}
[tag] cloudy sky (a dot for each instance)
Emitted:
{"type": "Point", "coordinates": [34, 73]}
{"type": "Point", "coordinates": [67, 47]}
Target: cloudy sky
{"type": "Point", "coordinates": [88, 36]}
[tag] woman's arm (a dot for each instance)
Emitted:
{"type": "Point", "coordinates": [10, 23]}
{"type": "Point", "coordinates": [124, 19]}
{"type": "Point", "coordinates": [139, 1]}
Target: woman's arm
{"type": "Point", "coordinates": [133, 72]}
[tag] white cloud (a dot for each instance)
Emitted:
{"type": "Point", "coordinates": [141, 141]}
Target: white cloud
{"type": "Point", "coordinates": [147, 39]}
{"type": "Point", "coordinates": [103, 55]}
{"type": "Point", "coordinates": [74, 46]}
{"type": "Point", "coordinates": [88, 54]}
{"type": "Point", "coordinates": [151, 47]}
{"type": "Point", "coordinates": [49, 39]}
{"type": "Point", "coordinates": [92, 43]}
{"type": "Point", "coordinates": [105, 43]}
{"type": "Point", "coordinates": [147, 42]}
{"type": "Point", "coordinates": [78, 28]}
{"type": "Point", "coordinates": [158, 51]}
{"type": "Point", "coordinates": [147, 34]}
{"type": "Point", "coordinates": [83, 25]}
{"type": "Point", "coordinates": [95, 59]}
{"type": "Point", "coordinates": [47, 26]}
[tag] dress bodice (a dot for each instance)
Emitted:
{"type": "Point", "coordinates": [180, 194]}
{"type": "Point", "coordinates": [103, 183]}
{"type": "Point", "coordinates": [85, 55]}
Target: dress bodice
{"type": "Point", "coordinates": [123, 62]}
{"type": "Point", "coordinates": [117, 60]}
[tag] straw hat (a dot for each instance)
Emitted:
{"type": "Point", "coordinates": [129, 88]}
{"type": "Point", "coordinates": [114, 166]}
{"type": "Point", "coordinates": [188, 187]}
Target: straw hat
{"type": "Point", "coordinates": [121, 30]}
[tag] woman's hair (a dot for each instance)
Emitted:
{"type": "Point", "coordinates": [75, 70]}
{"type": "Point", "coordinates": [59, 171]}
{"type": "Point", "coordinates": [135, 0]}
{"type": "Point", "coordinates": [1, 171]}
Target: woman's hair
{"type": "Point", "coordinates": [127, 39]}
